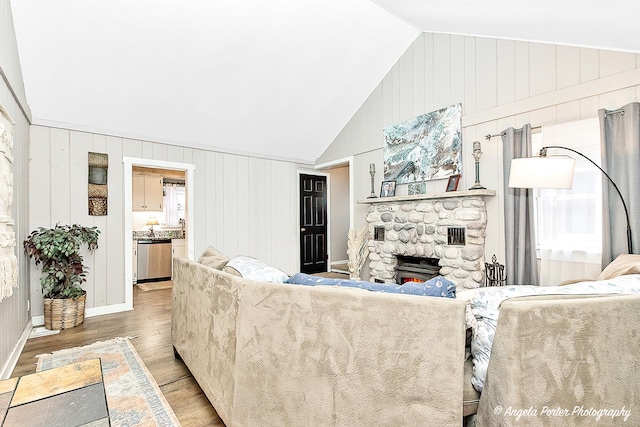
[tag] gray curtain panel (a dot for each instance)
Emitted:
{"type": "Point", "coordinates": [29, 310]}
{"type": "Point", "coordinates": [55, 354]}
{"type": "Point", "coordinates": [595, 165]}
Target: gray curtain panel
{"type": "Point", "coordinates": [521, 264]}
{"type": "Point", "coordinates": [620, 148]}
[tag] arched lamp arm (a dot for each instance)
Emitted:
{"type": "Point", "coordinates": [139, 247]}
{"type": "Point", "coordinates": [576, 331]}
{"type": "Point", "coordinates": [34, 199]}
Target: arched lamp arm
{"type": "Point", "coordinates": [543, 153]}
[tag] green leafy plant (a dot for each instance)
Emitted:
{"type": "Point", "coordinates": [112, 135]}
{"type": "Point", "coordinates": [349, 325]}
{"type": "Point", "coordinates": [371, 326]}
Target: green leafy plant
{"type": "Point", "coordinates": [58, 250]}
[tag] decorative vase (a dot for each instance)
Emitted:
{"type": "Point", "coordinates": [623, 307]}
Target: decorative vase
{"type": "Point", "coordinates": [64, 313]}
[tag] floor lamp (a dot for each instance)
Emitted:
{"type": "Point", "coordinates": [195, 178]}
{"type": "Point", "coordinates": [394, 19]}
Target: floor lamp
{"type": "Point", "coordinates": [555, 172]}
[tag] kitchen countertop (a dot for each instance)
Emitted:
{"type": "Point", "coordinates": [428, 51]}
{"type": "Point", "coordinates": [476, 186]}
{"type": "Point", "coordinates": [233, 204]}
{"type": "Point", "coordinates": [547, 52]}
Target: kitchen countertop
{"type": "Point", "coordinates": [170, 234]}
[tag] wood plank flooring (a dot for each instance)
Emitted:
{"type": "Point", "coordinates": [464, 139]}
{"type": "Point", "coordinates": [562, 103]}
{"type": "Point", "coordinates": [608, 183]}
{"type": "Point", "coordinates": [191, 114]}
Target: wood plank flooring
{"type": "Point", "coordinates": [150, 323]}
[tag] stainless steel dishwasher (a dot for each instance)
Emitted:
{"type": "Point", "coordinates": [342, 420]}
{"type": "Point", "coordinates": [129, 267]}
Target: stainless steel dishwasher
{"type": "Point", "coordinates": [154, 260]}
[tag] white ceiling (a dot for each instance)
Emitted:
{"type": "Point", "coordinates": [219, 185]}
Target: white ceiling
{"type": "Point", "coordinates": [585, 23]}
{"type": "Point", "coordinates": [277, 78]}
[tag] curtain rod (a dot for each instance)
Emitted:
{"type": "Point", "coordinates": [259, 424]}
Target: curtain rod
{"type": "Point", "coordinates": [534, 129]}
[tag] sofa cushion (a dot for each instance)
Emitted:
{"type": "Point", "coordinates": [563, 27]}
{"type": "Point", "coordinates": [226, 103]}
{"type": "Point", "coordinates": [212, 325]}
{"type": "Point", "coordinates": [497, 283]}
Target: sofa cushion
{"type": "Point", "coordinates": [213, 258]}
{"type": "Point", "coordinates": [252, 268]}
{"type": "Point", "coordinates": [231, 271]}
{"type": "Point", "coordinates": [623, 264]}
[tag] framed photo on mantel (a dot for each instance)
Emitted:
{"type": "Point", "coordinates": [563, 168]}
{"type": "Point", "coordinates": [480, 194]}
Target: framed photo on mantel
{"type": "Point", "coordinates": [388, 189]}
{"type": "Point", "coordinates": [417, 188]}
{"type": "Point", "coordinates": [452, 185]}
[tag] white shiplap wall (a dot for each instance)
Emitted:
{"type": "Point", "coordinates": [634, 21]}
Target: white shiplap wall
{"type": "Point", "coordinates": [13, 311]}
{"type": "Point", "coordinates": [243, 205]}
{"type": "Point", "coordinates": [500, 84]}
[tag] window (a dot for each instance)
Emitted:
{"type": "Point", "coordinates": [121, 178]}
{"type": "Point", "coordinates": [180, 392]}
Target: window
{"type": "Point", "coordinates": [569, 222]}
{"type": "Point", "coordinates": [174, 203]}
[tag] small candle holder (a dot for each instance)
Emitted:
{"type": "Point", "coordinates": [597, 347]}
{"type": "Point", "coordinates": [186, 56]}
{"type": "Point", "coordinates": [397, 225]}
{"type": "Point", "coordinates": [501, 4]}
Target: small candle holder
{"type": "Point", "coordinates": [372, 171]}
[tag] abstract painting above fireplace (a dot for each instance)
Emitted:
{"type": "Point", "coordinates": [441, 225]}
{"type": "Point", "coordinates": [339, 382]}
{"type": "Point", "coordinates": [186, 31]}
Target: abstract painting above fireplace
{"type": "Point", "coordinates": [425, 147]}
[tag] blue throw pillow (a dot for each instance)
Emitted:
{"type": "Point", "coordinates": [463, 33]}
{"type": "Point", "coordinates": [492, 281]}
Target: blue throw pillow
{"type": "Point", "coordinates": [436, 287]}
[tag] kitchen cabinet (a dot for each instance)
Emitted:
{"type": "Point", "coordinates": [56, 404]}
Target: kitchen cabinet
{"type": "Point", "coordinates": [147, 193]}
{"type": "Point", "coordinates": [178, 249]}
{"type": "Point", "coordinates": [135, 262]}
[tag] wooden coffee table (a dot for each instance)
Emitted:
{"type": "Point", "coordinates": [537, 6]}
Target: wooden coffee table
{"type": "Point", "coordinates": [69, 395]}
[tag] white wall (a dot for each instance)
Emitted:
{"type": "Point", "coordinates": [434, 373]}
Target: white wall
{"type": "Point", "coordinates": [500, 84]}
{"type": "Point", "coordinates": [13, 311]}
{"type": "Point", "coordinates": [243, 205]}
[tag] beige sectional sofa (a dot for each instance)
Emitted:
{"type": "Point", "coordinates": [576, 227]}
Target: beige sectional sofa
{"type": "Point", "coordinates": [291, 355]}
{"type": "Point", "coordinates": [564, 360]}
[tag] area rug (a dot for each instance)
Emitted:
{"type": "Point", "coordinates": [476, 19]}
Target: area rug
{"type": "Point", "coordinates": [154, 286]}
{"type": "Point", "coordinates": [133, 396]}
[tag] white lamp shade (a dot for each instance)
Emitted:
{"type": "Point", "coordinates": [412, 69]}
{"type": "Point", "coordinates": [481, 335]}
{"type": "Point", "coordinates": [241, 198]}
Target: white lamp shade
{"type": "Point", "coordinates": [542, 172]}
{"type": "Point", "coordinates": [152, 221]}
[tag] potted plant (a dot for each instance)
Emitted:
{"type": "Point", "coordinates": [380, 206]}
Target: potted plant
{"type": "Point", "coordinates": [57, 250]}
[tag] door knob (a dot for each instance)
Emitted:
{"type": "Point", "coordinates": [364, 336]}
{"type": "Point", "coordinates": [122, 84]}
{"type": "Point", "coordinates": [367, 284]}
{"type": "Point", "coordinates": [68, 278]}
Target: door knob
{"type": "Point", "coordinates": [303, 229]}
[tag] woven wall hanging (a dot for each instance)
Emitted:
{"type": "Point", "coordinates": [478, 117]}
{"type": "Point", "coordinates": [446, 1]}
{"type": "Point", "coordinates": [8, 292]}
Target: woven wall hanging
{"type": "Point", "coordinates": [8, 259]}
{"type": "Point", "coordinates": [98, 192]}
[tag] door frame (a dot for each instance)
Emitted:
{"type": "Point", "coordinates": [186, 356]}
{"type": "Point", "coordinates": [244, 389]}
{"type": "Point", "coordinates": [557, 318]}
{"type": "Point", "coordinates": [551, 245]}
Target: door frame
{"type": "Point", "coordinates": [328, 177]}
{"type": "Point", "coordinates": [348, 161]}
{"type": "Point", "coordinates": [129, 162]}
{"type": "Point", "coordinates": [345, 161]}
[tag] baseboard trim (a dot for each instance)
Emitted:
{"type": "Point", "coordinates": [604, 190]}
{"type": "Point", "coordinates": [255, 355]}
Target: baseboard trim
{"type": "Point", "coordinates": [89, 312]}
{"type": "Point", "coordinates": [17, 351]}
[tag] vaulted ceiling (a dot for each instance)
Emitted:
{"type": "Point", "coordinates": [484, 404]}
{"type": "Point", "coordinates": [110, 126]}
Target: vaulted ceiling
{"type": "Point", "coordinates": [277, 78]}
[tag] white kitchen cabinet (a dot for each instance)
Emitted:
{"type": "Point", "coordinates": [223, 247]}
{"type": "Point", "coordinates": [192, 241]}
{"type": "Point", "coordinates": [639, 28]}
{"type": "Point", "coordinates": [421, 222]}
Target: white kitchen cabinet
{"type": "Point", "coordinates": [147, 193]}
{"type": "Point", "coordinates": [178, 249]}
{"type": "Point", "coordinates": [135, 262]}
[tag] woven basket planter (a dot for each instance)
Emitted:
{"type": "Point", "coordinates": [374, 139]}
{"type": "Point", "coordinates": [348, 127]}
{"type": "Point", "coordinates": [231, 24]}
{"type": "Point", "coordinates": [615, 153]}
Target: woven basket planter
{"type": "Point", "coordinates": [64, 313]}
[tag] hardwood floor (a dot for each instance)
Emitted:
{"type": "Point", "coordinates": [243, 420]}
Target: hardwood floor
{"type": "Point", "coordinates": [150, 324]}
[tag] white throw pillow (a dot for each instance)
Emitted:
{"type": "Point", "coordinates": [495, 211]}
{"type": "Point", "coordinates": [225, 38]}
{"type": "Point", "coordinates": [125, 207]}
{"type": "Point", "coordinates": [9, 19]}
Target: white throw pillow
{"type": "Point", "coordinates": [251, 268]}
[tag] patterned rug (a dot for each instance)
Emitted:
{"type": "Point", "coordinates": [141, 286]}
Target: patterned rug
{"type": "Point", "coordinates": [154, 286]}
{"type": "Point", "coordinates": [133, 396]}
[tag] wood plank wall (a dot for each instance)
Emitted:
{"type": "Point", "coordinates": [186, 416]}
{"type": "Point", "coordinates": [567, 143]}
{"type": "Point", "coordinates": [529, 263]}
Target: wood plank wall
{"type": "Point", "coordinates": [500, 84]}
{"type": "Point", "coordinates": [13, 311]}
{"type": "Point", "coordinates": [243, 205]}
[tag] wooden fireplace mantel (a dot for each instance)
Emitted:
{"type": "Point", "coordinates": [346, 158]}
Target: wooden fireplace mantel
{"type": "Point", "coordinates": [432, 196]}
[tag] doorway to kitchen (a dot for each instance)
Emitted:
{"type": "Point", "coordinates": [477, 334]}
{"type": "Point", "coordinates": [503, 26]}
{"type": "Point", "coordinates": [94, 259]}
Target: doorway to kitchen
{"type": "Point", "coordinates": [158, 210]}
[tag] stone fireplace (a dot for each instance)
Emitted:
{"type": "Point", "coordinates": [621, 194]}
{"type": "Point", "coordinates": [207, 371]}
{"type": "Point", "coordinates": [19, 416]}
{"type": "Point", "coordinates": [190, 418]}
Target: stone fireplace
{"type": "Point", "coordinates": [447, 226]}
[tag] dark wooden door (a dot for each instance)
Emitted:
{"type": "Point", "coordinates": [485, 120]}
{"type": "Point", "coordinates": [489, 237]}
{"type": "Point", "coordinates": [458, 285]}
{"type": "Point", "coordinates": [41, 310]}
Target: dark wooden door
{"type": "Point", "coordinates": [313, 223]}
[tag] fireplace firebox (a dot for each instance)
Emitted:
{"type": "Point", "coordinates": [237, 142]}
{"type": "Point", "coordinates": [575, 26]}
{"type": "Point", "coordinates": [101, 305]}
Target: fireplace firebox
{"type": "Point", "coordinates": [416, 269]}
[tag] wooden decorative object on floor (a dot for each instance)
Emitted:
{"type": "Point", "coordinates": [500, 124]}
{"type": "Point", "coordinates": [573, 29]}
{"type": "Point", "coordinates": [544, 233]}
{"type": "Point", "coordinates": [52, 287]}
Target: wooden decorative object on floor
{"type": "Point", "coordinates": [64, 313]}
